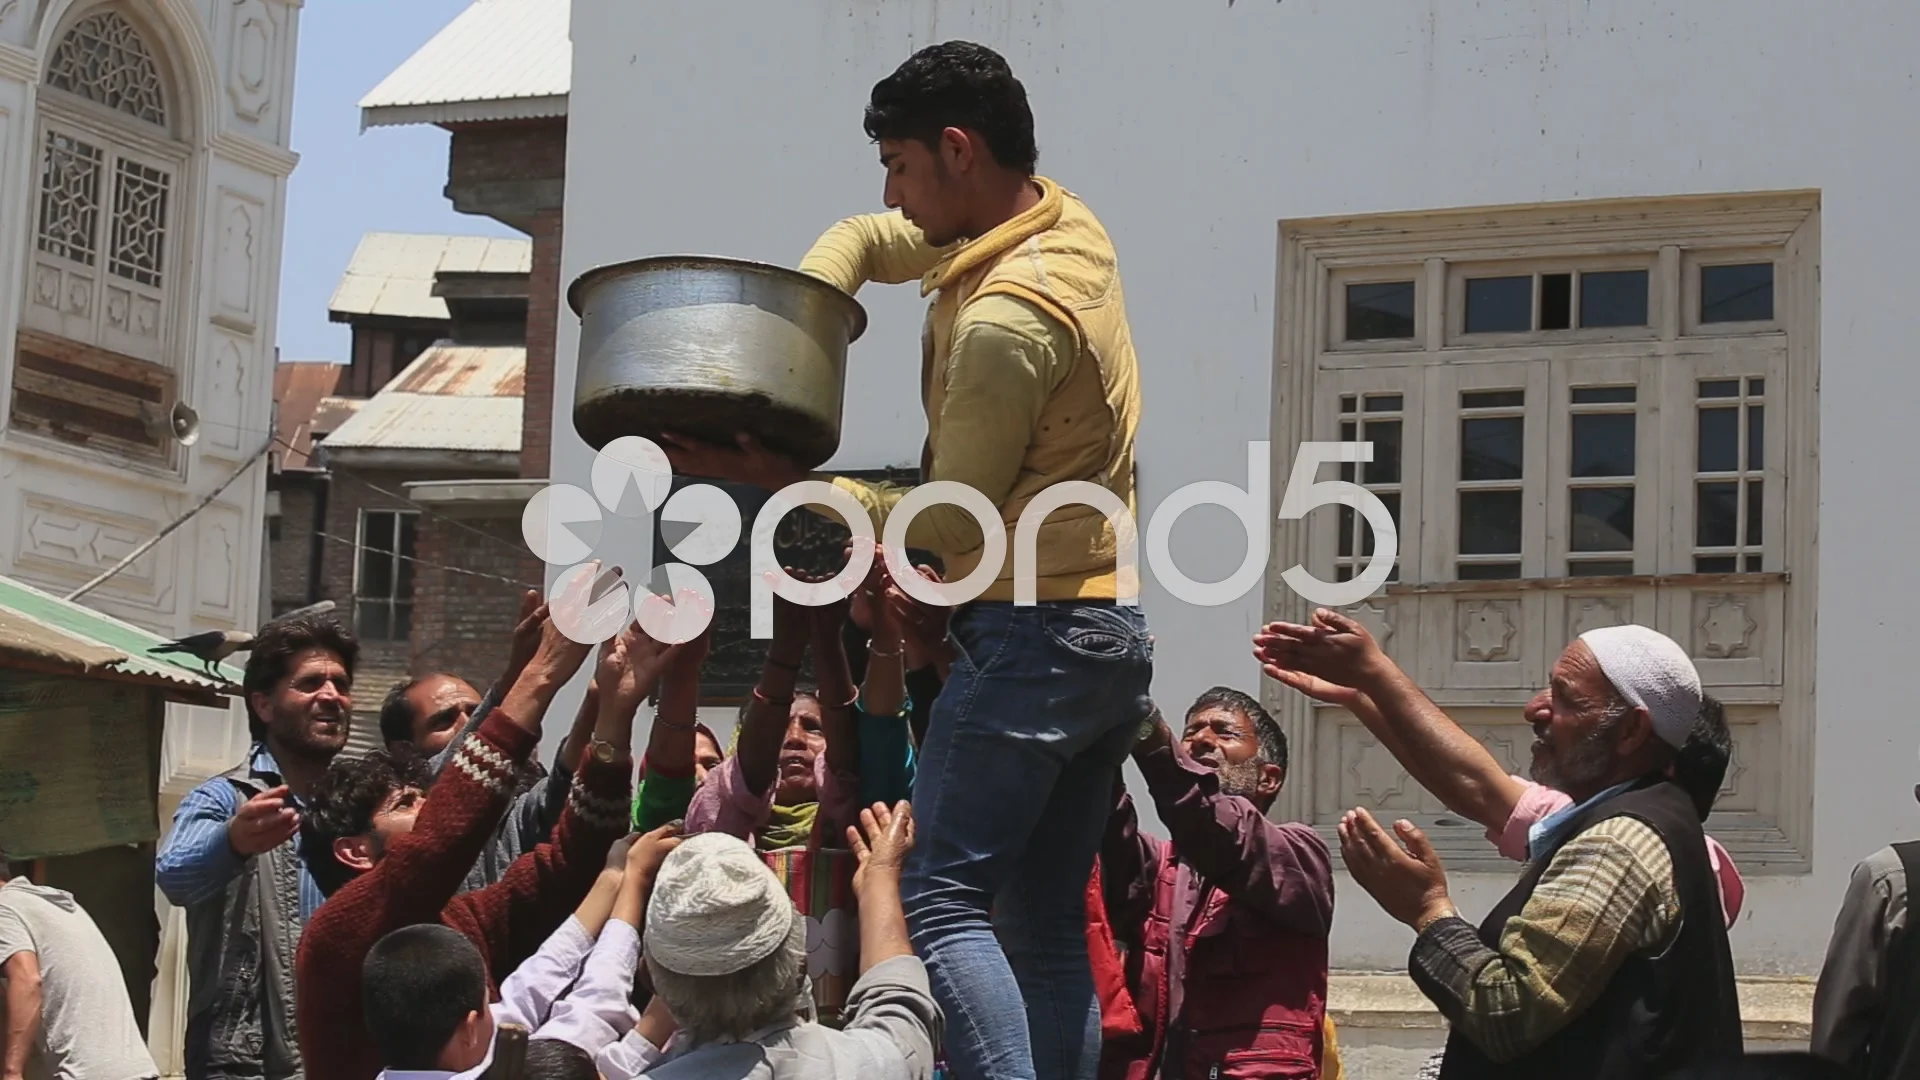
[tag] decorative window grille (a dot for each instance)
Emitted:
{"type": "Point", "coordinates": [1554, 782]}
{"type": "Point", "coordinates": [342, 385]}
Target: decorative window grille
{"type": "Point", "coordinates": [104, 60]}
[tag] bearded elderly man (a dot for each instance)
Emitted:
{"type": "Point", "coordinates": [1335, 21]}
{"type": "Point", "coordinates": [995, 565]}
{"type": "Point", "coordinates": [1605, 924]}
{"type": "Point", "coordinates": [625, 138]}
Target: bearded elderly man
{"type": "Point", "coordinates": [1609, 958]}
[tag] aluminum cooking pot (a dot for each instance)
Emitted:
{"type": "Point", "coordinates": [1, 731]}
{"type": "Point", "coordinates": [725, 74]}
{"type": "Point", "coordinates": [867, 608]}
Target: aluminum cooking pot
{"type": "Point", "coordinates": [710, 347]}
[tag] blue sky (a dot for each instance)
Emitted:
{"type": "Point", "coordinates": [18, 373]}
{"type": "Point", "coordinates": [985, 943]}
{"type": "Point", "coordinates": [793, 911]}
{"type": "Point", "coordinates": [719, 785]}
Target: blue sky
{"type": "Point", "coordinates": [349, 183]}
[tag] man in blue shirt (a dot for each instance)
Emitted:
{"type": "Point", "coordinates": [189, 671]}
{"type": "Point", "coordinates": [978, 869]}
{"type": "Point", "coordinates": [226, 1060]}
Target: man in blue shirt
{"type": "Point", "coordinates": [232, 859]}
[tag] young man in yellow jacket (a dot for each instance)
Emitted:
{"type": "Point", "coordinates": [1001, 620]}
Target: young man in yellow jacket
{"type": "Point", "coordinates": [1029, 381]}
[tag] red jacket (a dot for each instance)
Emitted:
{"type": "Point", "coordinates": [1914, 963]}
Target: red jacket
{"type": "Point", "coordinates": [422, 872]}
{"type": "Point", "coordinates": [1227, 933]}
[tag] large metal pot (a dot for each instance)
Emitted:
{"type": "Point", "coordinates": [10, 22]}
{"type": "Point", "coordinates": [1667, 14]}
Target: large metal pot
{"type": "Point", "coordinates": [710, 347]}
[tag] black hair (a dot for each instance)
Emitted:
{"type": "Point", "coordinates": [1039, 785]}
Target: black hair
{"type": "Point", "coordinates": [1273, 741]}
{"type": "Point", "coordinates": [417, 986]}
{"type": "Point", "coordinates": [558, 1059]}
{"type": "Point", "coordinates": [397, 713]}
{"type": "Point", "coordinates": [956, 84]}
{"type": "Point", "coordinates": [1700, 765]}
{"type": "Point", "coordinates": [343, 803]}
{"type": "Point", "coordinates": [278, 643]}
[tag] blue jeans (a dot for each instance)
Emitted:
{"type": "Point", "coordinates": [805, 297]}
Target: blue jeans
{"type": "Point", "coordinates": [1014, 786]}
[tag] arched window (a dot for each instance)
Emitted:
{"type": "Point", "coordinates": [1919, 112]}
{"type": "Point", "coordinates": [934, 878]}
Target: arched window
{"type": "Point", "coordinates": [105, 259]}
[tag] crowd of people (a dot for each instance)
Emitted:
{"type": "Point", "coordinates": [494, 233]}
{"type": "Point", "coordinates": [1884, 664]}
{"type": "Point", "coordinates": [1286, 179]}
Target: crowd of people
{"type": "Point", "coordinates": [390, 915]}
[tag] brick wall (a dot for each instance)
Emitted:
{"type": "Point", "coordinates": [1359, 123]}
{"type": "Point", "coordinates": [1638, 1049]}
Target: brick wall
{"type": "Point", "coordinates": [463, 623]}
{"type": "Point", "coordinates": [543, 312]}
{"type": "Point", "coordinates": [507, 152]}
{"type": "Point", "coordinates": [290, 549]}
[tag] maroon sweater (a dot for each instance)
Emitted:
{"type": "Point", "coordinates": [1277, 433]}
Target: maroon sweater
{"type": "Point", "coordinates": [420, 878]}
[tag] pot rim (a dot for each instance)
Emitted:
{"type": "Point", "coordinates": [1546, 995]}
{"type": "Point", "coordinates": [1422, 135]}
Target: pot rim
{"type": "Point", "coordinates": [856, 312]}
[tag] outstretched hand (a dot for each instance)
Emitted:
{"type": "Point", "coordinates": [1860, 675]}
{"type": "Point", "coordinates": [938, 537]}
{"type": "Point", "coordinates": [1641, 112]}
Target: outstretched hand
{"type": "Point", "coordinates": [881, 843]}
{"type": "Point", "coordinates": [1335, 649]}
{"type": "Point", "coordinates": [1408, 882]}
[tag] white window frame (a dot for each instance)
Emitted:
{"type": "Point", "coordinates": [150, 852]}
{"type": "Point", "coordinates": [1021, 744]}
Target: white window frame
{"type": "Point", "coordinates": [1518, 628]}
{"type": "Point", "coordinates": [393, 600]}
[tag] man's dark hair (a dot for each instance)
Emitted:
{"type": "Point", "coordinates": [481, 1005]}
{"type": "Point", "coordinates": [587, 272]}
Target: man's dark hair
{"type": "Point", "coordinates": [1273, 741]}
{"type": "Point", "coordinates": [397, 713]}
{"type": "Point", "coordinates": [278, 643]}
{"type": "Point", "coordinates": [558, 1059]}
{"type": "Point", "coordinates": [343, 804]}
{"type": "Point", "coordinates": [1700, 766]}
{"type": "Point", "coordinates": [417, 986]}
{"type": "Point", "coordinates": [956, 84]}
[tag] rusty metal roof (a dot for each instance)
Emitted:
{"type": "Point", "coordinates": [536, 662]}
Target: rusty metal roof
{"type": "Point", "coordinates": [391, 274]}
{"type": "Point", "coordinates": [452, 397]}
{"type": "Point", "coordinates": [42, 632]}
{"type": "Point", "coordinates": [498, 60]}
{"type": "Point", "coordinates": [299, 390]}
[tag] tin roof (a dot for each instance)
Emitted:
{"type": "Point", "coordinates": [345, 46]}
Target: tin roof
{"type": "Point", "coordinates": [497, 60]}
{"type": "Point", "coordinates": [46, 633]}
{"type": "Point", "coordinates": [299, 389]}
{"type": "Point", "coordinates": [452, 397]}
{"type": "Point", "coordinates": [392, 274]}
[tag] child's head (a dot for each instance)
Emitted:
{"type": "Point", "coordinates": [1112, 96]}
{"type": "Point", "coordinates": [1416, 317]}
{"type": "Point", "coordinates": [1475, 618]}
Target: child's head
{"type": "Point", "coordinates": [557, 1059]}
{"type": "Point", "coordinates": [424, 992]}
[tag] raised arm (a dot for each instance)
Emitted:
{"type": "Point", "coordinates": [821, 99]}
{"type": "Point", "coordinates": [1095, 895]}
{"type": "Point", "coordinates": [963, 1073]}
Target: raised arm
{"type": "Point", "coordinates": [527, 996]}
{"type": "Point", "coordinates": [1336, 660]}
{"type": "Point", "coordinates": [200, 857]}
{"type": "Point", "coordinates": [667, 768]}
{"type": "Point", "coordinates": [764, 727]}
{"type": "Point", "coordinates": [1129, 862]}
{"type": "Point", "coordinates": [1282, 871]}
{"type": "Point", "coordinates": [837, 694]}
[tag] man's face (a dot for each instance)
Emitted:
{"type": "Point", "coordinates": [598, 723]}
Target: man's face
{"type": "Point", "coordinates": [309, 710]}
{"type": "Point", "coordinates": [706, 756]}
{"type": "Point", "coordinates": [395, 818]}
{"type": "Point", "coordinates": [1225, 741]}
{"type": "Point", "coordinates": [922, 184]}
{"type": "Point", "coordinates": [806, 741]}
{"type": "Point", "coordinates": [1575, 725]}
{"type": "Point", "coordinates": [440, 705]}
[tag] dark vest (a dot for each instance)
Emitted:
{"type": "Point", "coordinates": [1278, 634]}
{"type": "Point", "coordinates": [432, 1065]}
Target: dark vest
{"type": "Point", "coordinates": [240, 949]}
{"type": "Point", "coordinates": [1894, 1051]}
{"type": "Point", "coordinates": [1660, 1011]}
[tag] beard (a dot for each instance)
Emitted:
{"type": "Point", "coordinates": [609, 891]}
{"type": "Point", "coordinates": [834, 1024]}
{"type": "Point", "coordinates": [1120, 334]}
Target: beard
{"type": "Point", "coordinates": [301, 733]}
{"type": "Point", "coordinates": [1583, 766]}
{"type": "Point", "coordinates": [1242, 780]}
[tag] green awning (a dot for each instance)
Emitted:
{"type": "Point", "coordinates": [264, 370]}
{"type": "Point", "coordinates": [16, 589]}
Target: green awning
{"type": "Point", "coordinates": [55, 636]}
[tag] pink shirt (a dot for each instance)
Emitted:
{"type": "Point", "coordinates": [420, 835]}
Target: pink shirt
{"type": "Point", "coordinates": [1538, 802]}
{"type": "Point", "coordinates": [724, 804]}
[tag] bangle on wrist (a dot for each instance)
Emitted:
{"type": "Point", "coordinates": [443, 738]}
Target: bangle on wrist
{"type": "Point", "coordinates": [883, 654]}
{"type": "Point", "coordinates": [673, 725]}
{"type": "Point", "coordinates": [784, 699]}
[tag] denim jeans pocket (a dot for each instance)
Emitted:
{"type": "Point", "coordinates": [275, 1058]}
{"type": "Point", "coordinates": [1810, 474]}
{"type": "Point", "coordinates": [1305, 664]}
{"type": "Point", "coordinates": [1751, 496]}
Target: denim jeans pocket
{"type": "Point", "coordinates": [1098, 631]}
{"type": "Point", "coordinates": [979, 636]}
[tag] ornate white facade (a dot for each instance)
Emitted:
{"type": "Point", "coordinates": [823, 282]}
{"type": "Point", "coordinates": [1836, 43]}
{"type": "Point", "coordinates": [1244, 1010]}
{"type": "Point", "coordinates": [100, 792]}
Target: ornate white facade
{"type": "Point", "coordinates": [143, 175]}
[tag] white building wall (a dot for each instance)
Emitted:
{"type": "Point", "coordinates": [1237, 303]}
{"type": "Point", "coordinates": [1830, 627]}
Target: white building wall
{"type": "Point", "coordinates": [733, 127]}
{"type": "Point", "coordinates": [66, 515]}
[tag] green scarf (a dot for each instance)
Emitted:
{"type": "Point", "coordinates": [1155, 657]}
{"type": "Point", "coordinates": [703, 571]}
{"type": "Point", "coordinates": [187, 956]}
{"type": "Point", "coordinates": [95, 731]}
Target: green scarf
{"type": "Point", "coordinates": [789, 826]}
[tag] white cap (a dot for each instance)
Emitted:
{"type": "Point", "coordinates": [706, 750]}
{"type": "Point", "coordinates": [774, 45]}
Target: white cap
{"type": "Point", "coordinates": [717, 909]}
{"type": "Point", "coordinates": [1652, 672]}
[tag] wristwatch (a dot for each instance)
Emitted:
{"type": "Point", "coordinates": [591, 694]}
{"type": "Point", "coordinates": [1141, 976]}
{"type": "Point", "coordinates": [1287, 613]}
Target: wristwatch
{"type": "Point", "coordinates": [604, 752]}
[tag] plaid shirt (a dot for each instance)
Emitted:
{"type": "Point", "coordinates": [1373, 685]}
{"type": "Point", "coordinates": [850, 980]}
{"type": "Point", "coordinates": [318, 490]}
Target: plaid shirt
{"type": "Point", "coordinates": [1608, 893]}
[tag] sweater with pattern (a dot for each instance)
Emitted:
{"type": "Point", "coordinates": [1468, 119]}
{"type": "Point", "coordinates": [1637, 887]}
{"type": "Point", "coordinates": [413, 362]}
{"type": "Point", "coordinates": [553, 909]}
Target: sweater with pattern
{"type": "Point", "coordinates": [420, 878]}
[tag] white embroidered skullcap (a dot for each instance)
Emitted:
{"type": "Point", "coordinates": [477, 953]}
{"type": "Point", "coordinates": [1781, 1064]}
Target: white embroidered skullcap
{"type": "Point", "coordinates": [1652, 672]}
{"type": "Point", "coordinates": [717, 909]}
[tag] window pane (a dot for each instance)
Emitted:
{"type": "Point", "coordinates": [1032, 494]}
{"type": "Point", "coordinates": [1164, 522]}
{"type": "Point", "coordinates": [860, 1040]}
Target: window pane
{"type": "Point", "coordinates": [139, 222]}
{"type": "Point", "coordinates": [1715, 564]}
{"type": "Point", "coordinates": [1756, 387]}
{"type": "Point", "coordinates": [1601, 568]}
{"type": "Point", "coordinates": [69, 198]}
{"type": "Point", "coordinates": [1753, 564]}
{"type": "Point", "coordinates": [1348, 403]}
{"type": "Point", "coordinates": [1600, 519]}
{"type": "Point", "coordinates": [1392, 501]}
{"type": "Point", "coordinates": [372, 620]}
{"type": "Point", "coordinates": [1613, 298]}
{"type": "Point", "coordinates": [1384, 402]}
{"type": "Point", "coordinates": [1720, 388]}
{"type": "Point", "coordinates": [1603, 395]}
{"type": "Point", "coordinates": [1755, 500]}
{"type": "Point", "coordinates": [1491, 447]}
{"type": "Point", "coordinates": [1603, 444]}
{"type": "Point", "coordinates": [1719, 440]}
{"type": "Point", "coordinates": [1385, 466]}
{"type": "Point", "coordinates": [1756, 437]}
{"type": "Point", "coordinates": [1499, 305]}
{"type": "Point", "coordinates": [1506, 571]}
{"type": "Point", "coordinates": [376, 561]}
{"type": "Point", "coordinates": [402, 621]}
{"type": "Point", "coordinates": [1717, 515]}
{"type": "Point", "coordinates": [1556, 301]}
{"type": "Point", "coordinates": [1492, 399]}
{"type": "Point", "coordinates": [1489, 523]}
{"type": "Point", "coordinates": [1346, 532]}
{"type": "Point", "coordinates": [1380, 311]}
{"type": "Point", "coordinates": [1736, 293]}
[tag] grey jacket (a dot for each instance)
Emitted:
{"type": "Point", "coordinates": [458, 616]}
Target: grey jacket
{"type": "Point", "coordinates": [242, 996]}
